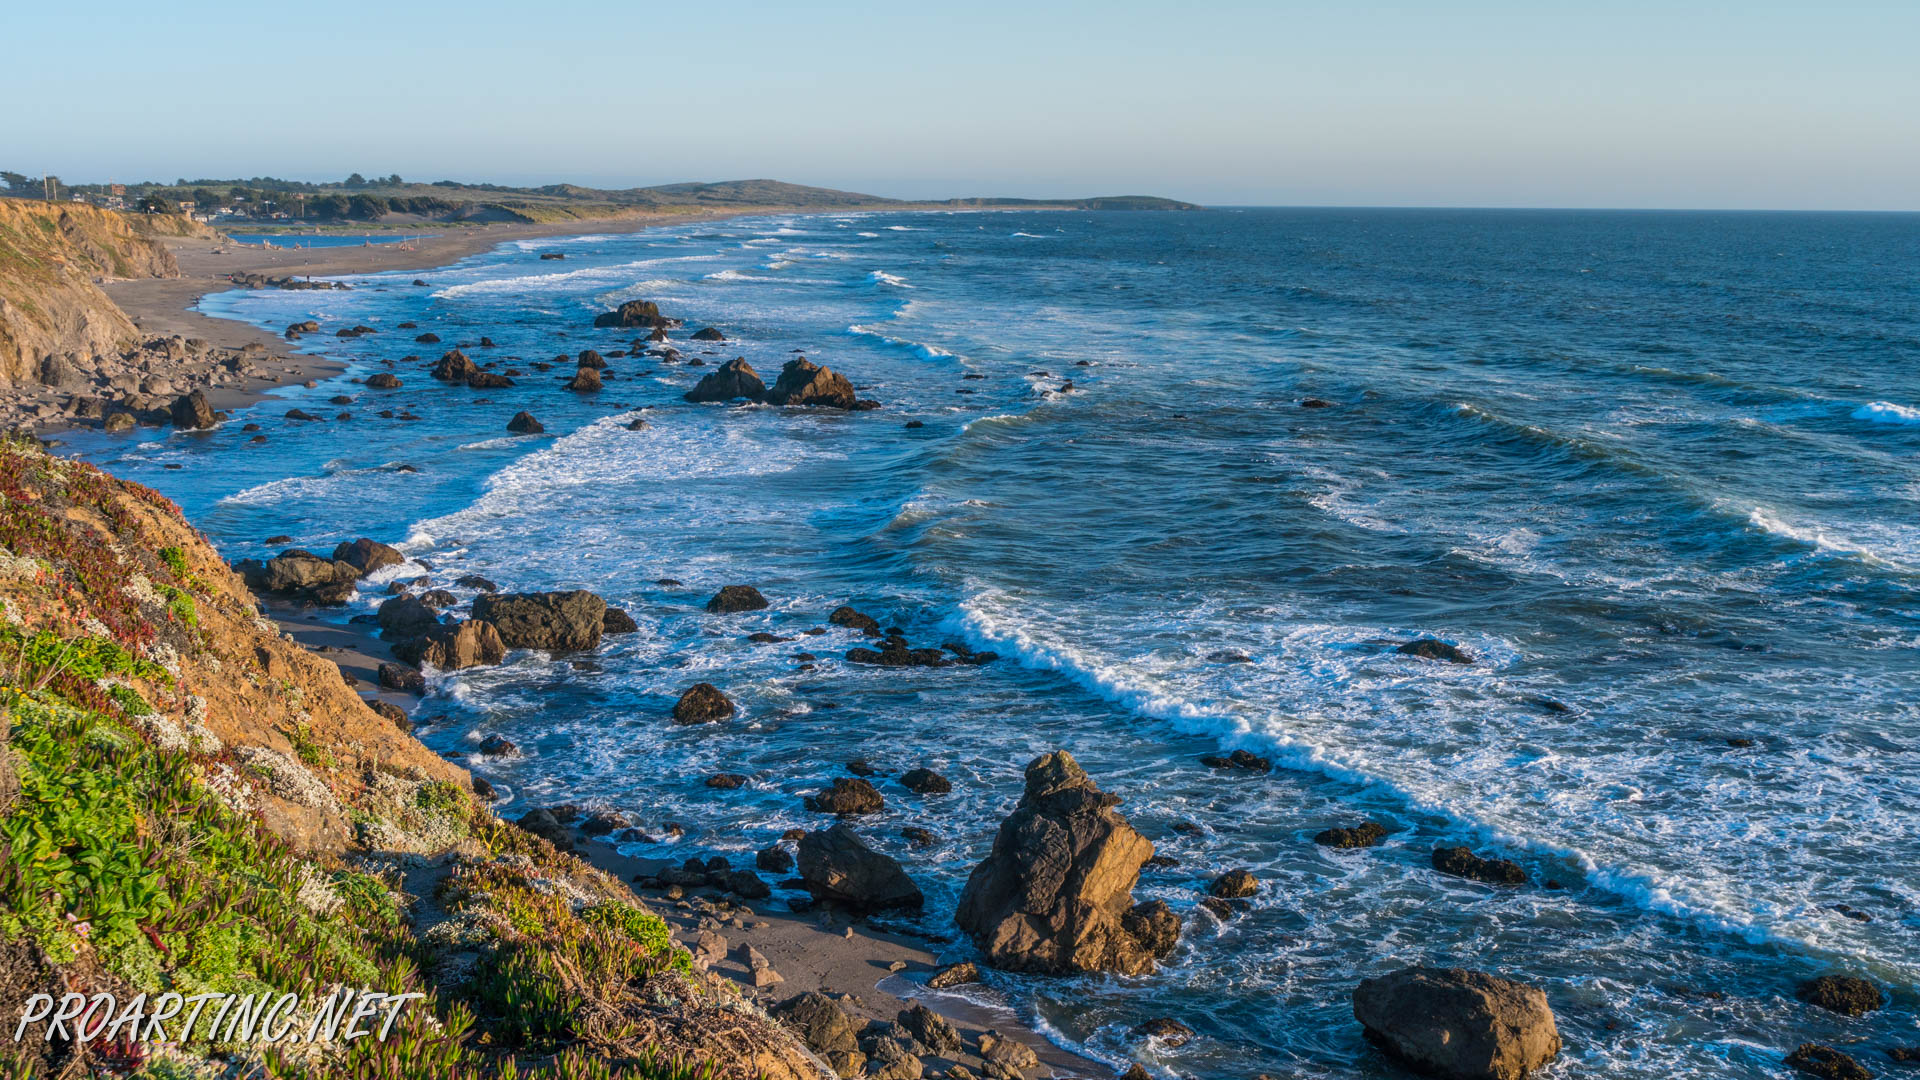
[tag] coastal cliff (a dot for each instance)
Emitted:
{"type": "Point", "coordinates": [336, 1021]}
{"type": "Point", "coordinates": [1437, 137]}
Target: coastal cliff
{"type": "Point", "coordinates": [191, 802]}
{"type": "Point", "coordinates": [50, 256]}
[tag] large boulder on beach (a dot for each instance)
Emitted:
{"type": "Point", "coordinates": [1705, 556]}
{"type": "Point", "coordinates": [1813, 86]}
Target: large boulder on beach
{"type": "Point", "coordinates": [838, 867]}
{"type": "Point", "coordinates": [634, 313]}
{"type": "Point", "coordinates": [1055, 892]}
{"type": "Point", "coordinates": [1458, 1024]}
{"type": "Point", "coordinates": [544, 620]}
{"type": "Point", "coordinates": [191, 411]}
{"type": "Point", "coordinates": [803, 382]}
{"type": "Point", "coordinates": [368, 555]}
{"type": "Point", "coordinates": [733, 379]}
{"type": "Point", "coordinates": [452, 648]}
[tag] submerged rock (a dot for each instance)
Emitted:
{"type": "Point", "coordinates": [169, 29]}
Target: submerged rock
{"type": "Point", "coordinates": [1359, 836]}
{"type": "Point", "coordinates": [1826, 1063]}
{"type": "Point", "coordinates": [1463, 863]}
{"type": "Point", "coordinates": [1843, 994]}
{"type": "Point", "coordinates": [1054, 893]}
{"type": "Point", "coordinates": [1435, 649]}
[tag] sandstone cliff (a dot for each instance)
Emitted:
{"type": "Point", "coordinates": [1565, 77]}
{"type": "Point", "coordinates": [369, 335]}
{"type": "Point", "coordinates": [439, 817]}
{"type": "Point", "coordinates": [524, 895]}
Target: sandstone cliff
{"type": "Point", "coordinates": [189, 801]}
{"type": "Point", "coordinates": [50, 256]}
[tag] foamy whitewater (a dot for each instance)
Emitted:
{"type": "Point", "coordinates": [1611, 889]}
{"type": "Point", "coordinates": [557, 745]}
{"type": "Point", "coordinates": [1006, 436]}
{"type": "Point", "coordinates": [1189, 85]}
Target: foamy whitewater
{"type": "Point", "coordinates": [1659, 473]}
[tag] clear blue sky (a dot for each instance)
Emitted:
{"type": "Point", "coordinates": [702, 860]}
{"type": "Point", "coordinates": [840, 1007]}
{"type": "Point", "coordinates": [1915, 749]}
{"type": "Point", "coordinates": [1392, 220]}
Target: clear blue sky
{"type": "Point", "coordinates": [1473, 102]}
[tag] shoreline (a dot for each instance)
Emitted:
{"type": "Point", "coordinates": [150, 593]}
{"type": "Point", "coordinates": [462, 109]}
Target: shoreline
{"type": "Point", "coordinates": [872, 974]}
{"type": "Point", "coordinates": [161, 307]}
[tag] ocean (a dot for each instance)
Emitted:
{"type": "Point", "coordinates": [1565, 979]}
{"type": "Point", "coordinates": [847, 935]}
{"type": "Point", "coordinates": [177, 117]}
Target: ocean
{"type": "Point", "coordinates": [1658, 473]}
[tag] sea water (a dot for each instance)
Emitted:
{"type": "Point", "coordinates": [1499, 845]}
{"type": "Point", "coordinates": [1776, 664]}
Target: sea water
{"type": "Point", "coordinates": [1658, 473]}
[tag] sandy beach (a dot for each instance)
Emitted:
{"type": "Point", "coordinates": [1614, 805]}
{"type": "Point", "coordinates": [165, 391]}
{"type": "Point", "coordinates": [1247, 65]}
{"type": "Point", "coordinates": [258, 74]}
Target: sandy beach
{"type": "Point", "coordinates": [168, 306]}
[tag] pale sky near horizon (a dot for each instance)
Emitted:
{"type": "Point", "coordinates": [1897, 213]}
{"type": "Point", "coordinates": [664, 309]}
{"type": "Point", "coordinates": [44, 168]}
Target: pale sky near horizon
{"type": "Point", "coordinates": [1473, 103]}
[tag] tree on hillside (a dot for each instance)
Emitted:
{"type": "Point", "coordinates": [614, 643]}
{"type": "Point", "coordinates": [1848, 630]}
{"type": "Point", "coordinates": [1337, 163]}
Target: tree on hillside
{"type": "Point", "coordinates": [20, 183]}
{"type": "Point", "coordinates": [366, 207]}
{"type": "Point", "coordinates": [154, 202]}
{"type": "Point", "coordinates": [355, 182]}
{"type": "Point", "coordinates": [205, 199]}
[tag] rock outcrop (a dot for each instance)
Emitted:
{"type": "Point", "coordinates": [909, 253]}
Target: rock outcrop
{"type": "Point", "coordinates": [302, 576]}
{"type": "Point", "coordinates": [731, 380]}
{"type": "Point", "coordinates": [837, 866]}
{"type": "Point", "coordinates": [1054, 894]}
{"type": "Point", "coordinates": [1457, 1024]}
{"type": "Point", "coordinates": [368, 555]}
{"type": "Point", "coordinates": [1462, 862]}
{"type": "Point", "coordinates": [733, 599]}
{"type": "Point", "coordinates": [641, 313]}
{"type": "Point", "coordinates": [544, 620]}
{"type": "Point", "coordinates": [703, 703]}
{"type": "Point", "coordinates": [803, 382]}
{"type": "Point", "coordinates": [454, 647]}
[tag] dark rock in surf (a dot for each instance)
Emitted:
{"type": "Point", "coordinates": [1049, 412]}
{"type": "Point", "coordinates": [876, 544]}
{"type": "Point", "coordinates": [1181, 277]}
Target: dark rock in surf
{"type": "Point", "coordinates": [1458, 1024]}
{"type": "Point", "coordinates": [1435, 649]}
{"type": "Point", "coordinates": [454, 367]}
{"type": "Point", "coordinates": [191, 412]}
{"type": "Point", "coordinates": [1242, 760]}
{"type": "Point", "coordinates": [1843, 994]}
{"type": "Point", "coordinates": [585, 381]}
{"type": "Point", "coordinates": [732, 599]}
{"type": "Point", "coordinates": [1463, 863]}
{"type": "Point", "coordinates": [384, 380]}
{"type": "Point", "coordinates": [733, 379]}
{"type": "Point", "coordinates": [703, 703]}
{"type": "Point", "coordinates": [368, 555]}
{"type": "Point", "coordinates": [709, 334]}
{"type": "Point", "coordinates": [642, 313]}
{"type": "Point", "coordinates": [1234, 885]}
{"type": "Point", "coordinates": [618, 622]}
{"type": "Point", "coordinates": [523, 423]}
{"type": "Point", "coordinates": [855, 620]}
{"type": "Point", "coordinates": [837, 866]}
{"type": "Point", "coordinates": [848, 797]}
{"type": "Point", "coordinates": [1359, 836]}
{"type": "Point", "coordinates": [1825, 1062]}
{"type": "Point", "coordinates": [805, 383]}
{"type": "Point", "coordinates": [544, 620]}
{"type": "Point", "coordinates": [925, 782]}
{"type": "Point", "coordinates": [402, 678]}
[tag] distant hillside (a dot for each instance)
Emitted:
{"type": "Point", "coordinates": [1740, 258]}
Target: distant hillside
{"type": "Point", "coordinates": [394, 201]}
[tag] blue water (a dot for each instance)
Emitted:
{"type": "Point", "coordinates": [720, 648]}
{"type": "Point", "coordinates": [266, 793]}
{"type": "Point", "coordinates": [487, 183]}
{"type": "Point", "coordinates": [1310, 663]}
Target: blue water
{"type": "Point", "coordinates": [1660, 469]}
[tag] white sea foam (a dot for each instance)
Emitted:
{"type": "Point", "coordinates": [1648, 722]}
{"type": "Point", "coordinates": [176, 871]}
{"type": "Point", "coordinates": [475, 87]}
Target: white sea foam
{"type": "Point", "coordinates": [1886, 412]}
{"type": "Point", "coordinates": [921, 348]}
{"type": "Point", "coordinates": [881, 277]}
{"type": "Point", "coordinates": [1157, 689]}
{"type": "Point", "coordinates": [558, 281]}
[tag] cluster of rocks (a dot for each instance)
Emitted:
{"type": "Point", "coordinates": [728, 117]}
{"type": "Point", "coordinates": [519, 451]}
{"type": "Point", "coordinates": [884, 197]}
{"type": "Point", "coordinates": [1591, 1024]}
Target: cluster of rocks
{"type": "Point", "coordinates": [159, 381]}
{"type": "Point", "coordinates": [801, 383]}
{"type": "Point", "coordinates": [301, 576]}
{"type": "Point", "coordinates": [911, 1045]}
{"type": "Point", "coordinates": [283, 281]}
